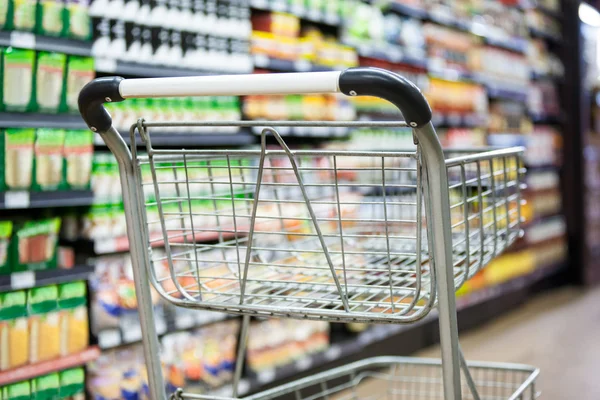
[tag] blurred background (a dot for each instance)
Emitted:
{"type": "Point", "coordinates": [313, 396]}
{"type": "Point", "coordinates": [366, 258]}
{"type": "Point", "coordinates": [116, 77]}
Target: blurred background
{"type": "Point", "coordinates": [496, 72]}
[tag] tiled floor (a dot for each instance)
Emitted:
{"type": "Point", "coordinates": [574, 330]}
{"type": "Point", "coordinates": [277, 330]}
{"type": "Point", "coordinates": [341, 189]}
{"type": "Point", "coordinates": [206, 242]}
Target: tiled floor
{"type": "Point", "coordinates": [559, 332]}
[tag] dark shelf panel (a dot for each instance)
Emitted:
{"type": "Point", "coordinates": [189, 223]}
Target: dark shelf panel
{"type": "Point", "coordinates": [114, 67]}
{"type": "Point", "coordinates": [390, 53]}
{"type": "Point", "coordinates": [312, 15]}
{"type": "Point", "coordinates": [36, 120]}
{"type": "Point", "coordinates": [29, 40]}
{"type": "Point", "coordinates": [546, 119]}
{"type": "Point", "coordinates": [517, 44]}
{"type": "Point", "coordinates": [190, 139]}
{"type": "Point", "coordinates": [25, 200]}
{"type": "Point", "coordinates": [276, 64]}
{"type": "Point", "coordinates": [307, 131]}
{"type": "Point", "coordinates": [408, 11]}
{"type": "Point", "coordinates": [536, 33]}
{"type": "Point", "coordinates": [386, 337]}
{"type": "Point", "coordinates": [28, 279]}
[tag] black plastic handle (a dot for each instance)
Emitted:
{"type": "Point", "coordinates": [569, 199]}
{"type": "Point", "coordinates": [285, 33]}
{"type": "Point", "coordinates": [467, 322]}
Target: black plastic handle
{"type": "Point", "coordinates": [92, 98]}
{"type": "Point", "coordinates": [391, 87]}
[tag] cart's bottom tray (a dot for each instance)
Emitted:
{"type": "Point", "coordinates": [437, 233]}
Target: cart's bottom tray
{"type": "Point", "coordinates": [404, 378]}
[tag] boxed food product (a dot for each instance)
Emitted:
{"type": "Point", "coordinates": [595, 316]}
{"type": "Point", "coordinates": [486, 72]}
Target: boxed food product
{"type": "Point", "coordinates": [72, 383]}
{"type": "Point", "coordinates": [80, 70]}
{"type": "Point", "coordinates": [24, 15]}
{"type": "Point", "coordinates": [44, 328]}
{"type": "Point", "coordinates": [17, 391]}
{"type": "Point", "coordinates": [45, 387]}
{"type": "Point", "coordinates": [50, 80]}
{"type": "Point", "coordinates": [14, 334]}
{"type": "Point", "coordinates": [18, 158]}
{"type": "Point", "coordinates": [51, 18]}
{"type": "Point", "coordinates": [78, 153]}
{"type": "Point", "coordinates": [80, 24]}
{"type": "Point", "coordinates": [6, 10]}
{"type": "Point", "coordinates": [35, 246]}
{"type": "Point", "coordinates": [6, 228]}
{"type": "Point", "coordinates": [74, 329]}
{"type": "Point", "coordinates": [18, 65]}
{"type": "Point", "coordinates": [49, 159]}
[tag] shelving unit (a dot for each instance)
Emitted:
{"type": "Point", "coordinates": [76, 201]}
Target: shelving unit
{"type": "Point", "coordinates": [29, 279]}
{"type": "Point", "coordinates": [27, 40]}
{"type": "Point", "coordinates": [23, 199]}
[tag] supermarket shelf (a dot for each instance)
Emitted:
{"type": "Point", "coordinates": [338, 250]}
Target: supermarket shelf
{"type": "Point", "coordinates": [552, 13]}
{"type": "Point", "coordinates": [28, 279]}
{"type": "Point", "coordinates": [312, 15]}
{"type": "Point", "coordinates": [25, 200]}
{"type": "Point", "coordinates": [388, 52]}
{"type": "Point", "coordinates": [115, 337]}
{"type": "Point", "coordinates": [46, 367]}
{"type": "Point", "coordinates": [35, 120]}
{"type": "Point", "coordinates": [409, 11]}
{"type": "Point", "coordinates": [549, 37]}
{"type": "Point", "coordinates": [277, 64]}
{"type": "Point", "coordinates": [27, 40]}
{"type": "Point", "coordinates": [516, 44]}
{"type": "Point", "coordinates": [439, 119]}
{"type": "Point", "coordinates": [308, 131]}
{"type": "Point", "coordinates": [542, 119]}
{"type": "Point", "coordinates": [111, 66]}
{"type": "Point", "coordinates": [536, 76]}
{"type": "Point", "coordinates": [189, 139]}
{"type": "Point", "coordinates": [355, 348]}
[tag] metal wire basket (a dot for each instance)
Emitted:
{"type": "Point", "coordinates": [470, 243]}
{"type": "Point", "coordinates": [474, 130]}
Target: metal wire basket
{"type": "Point", "coordinates": [332, 235]}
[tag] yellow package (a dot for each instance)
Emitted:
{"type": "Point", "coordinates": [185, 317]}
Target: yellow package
{"type": "Point", "coordinates": [74, 328]}
{"type": "Point", "coordinates": [44, 332]}
{"type": "Point", "coordinates": [14, 336]}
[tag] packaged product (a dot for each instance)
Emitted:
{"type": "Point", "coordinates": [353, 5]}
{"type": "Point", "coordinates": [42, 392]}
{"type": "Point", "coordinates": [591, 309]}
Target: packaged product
{"type": "Point", "coordinates": [18, 78]}
{"type": "Point", "coordinates": [45, 387]}
{"type": "Point", "coordinates": [78, 154]}
{"type": "Point", "coordinates": [14, 334]}
{"type": "Point", "coordinates": [49, 159]}
{"type": "Point", "coordinates": [6, 228]}
{"type": "Point", "coordinates": [72, 383]}
{"type": "Point", "coordinates": [80, 71]}
{"type": "Point", "coordinates": [51, 17]}
{"type": "Point", "coordinates": [50, 80]}
{"type": "Point", "coordinates": [24, 15]}
{"type": "Point", "coordinates": [35, 245]}
{"type": "Point", "coordinates": [74, 329]}
{"type": "Point", "coordinates": [17, 391]}
{"type": "Point", "coordinates": [6, 10]}
{"type": "Point", "coordinates": [18, 158]}
{"type": "Point", "coordinates": [44, 328]}
{"type": "Point", "coordinates": [80, 24]}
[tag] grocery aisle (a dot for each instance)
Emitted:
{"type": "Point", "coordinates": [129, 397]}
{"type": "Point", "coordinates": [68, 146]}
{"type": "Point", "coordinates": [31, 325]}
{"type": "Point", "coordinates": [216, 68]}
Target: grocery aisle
{"type": "Point", "coordinates": [557, 331]}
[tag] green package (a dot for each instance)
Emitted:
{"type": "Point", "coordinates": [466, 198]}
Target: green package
{"type": "Point", "coordinates": [6, 14]}
{"type": "Point", "coordinates": [44, 324]}
{"type": "Point", "coordinates": [18, 149]}
{"type": "Point", "coordinates": [35, 247]}
{"type": "Point", "coordinates": [72, 382]}
{"type": "Point", "coordinates": [80, 24]}
{"type": "Point", "coordinates": [24, 15]}
{"type": "Point", "coordinates": [49, 162]}
{"type": "Point", "coordinates": [18, 68]}
{"type": "Point", "coordinates": [50, 80]}
{"type": "Point", "coordinates": [17, 391]}
{"type": "Point", "coordinates": [5, 240]}
{"type": "Point", "coordinates": [72, 301]}
{"type": "Point", "coordinates": [45, 387]}
{"type": "Point", "coordinates": [78, 154]}
{"type": "Point", "coordinates": [51, 17]}
{"type": "Point", "coordinates": [14, 330]}
{"type": "Point", "coordinates": [80, 71]}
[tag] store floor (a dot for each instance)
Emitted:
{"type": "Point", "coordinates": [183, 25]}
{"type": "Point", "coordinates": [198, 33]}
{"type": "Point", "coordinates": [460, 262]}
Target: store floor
{"type": "Point", "coordinates": [558, 331]}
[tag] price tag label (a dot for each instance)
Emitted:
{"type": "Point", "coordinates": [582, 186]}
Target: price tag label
{"type": "Point", "coordinates": [266, 376]}
{"type": "Point", "coordinates": [243, 386]}
{"type": "Point", "coordinates": [314, 14]}
{"type": "Point", "coordinates": [333, 353]}
{"type": "Point", "coordinates": [22, 280]}
{"type": "Point", "coordinates": [304, 363]}
{"type": "Point", "coordinates": [279, 5]}
{"type": "Point", "coordinates": [297, 10]}
{"type": "Point", "coordinates": [105, 246]}
{"type": "Point", "coordinates": [332, 19]}
{"type": "Point", "coordinates": [260, 4]}
{"type": "Point", "coordinates": [160, 324]}
{"type": "Point", "coordinates": [394, 53]}
{"type": "Point", "coordinates": [98, 141]}
{"type": "Point", "coordinates": [302, 66]}
{"type": "Point", "coordinates": [133, 333]}
{"type": "Point", "coordinates": [184, 320]}
{"type": "Point", "coordinates": [261, 60]}
{"type": "Point", "coordinates": [24, 40]}
{"type": "Point", "coordinates": [106, 64]}
{"type": "Point", "coordinates": [109, 338]}
{"type": "Point", "coordinates": [18, 199]}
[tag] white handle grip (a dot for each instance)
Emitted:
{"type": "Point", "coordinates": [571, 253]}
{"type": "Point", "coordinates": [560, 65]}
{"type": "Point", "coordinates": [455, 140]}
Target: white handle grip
{"type": "Point", "coordinates": [232, 85]}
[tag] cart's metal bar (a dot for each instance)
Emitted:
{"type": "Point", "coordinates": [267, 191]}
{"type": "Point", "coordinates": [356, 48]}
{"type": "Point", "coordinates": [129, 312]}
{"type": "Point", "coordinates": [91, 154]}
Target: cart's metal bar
{"type": "Point", "coordinates": [387, 239]}
{"type": "Point", "coordinates": [339, 221]}
{"type": "Point", "coordinates": [241, 355]}
{"type": "Point", "coordinates": [269, 123]}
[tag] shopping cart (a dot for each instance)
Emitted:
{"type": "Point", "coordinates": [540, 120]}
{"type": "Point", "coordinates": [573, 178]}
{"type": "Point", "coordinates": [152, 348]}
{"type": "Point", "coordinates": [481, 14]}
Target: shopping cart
{"type": "Point", "coordinates": [340, 236]}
